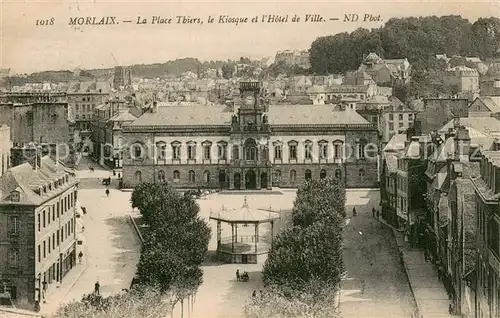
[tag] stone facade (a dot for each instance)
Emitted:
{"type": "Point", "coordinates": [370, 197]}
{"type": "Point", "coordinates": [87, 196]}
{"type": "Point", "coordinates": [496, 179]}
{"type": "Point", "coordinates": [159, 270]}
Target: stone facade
{"type": "Point", "coordinates": [253, 148]}
{"type": "Point", "coordinates": [37, 230]}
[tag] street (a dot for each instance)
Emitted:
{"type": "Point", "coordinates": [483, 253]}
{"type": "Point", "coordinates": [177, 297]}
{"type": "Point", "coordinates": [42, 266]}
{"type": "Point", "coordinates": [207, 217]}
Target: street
{"type": "Point", "coordinates": [376, 284]}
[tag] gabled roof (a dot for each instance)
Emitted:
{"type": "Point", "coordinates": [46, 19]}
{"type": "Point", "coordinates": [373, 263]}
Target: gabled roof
{"type": "Point", "coordinates": [391, 160]}
{"type": "Point", "coordinates": [490, 102]}
{"type": "Point", "coordinates": [397, 143]}
{"type": "Point", "coordinates": [485, 125]}
{"type": "Point", "coordinates": [123, 116]}
{"type": "Point", "coordinates": [89, 87]}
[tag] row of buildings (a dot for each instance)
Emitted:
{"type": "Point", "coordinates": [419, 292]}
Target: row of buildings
{"type": "Point", "coordinates": [440, 184]}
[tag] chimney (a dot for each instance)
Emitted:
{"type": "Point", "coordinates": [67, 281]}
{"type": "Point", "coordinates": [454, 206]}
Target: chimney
{"type": "Point", "coordinates": [462, 144]}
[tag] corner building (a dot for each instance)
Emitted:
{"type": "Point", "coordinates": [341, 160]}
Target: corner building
{"type": "Point", "coordinates": [250, 145]}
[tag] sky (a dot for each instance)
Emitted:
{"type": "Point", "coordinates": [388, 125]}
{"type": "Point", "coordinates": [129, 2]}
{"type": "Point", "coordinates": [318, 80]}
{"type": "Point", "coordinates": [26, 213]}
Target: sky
{"type": "Point", "coordinates": [26, 47]}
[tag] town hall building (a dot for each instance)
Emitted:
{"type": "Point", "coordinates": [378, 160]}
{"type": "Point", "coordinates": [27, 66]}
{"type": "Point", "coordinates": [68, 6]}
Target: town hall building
{"type": "Point", "coordinates": [249, 145]}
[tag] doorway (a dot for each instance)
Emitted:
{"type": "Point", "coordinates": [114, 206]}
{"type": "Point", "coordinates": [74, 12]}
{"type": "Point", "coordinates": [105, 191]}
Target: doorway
{"type": "Point", "coordinates": [237, 181]}
{"type": "Point", "coordinates": [222, 179]}
{"type": "Point", "coordinates": [263, 180]}
{"type": "Point", "coordinates": [250, 180]}
{"type": "Point", "coordinates": [244, 259]}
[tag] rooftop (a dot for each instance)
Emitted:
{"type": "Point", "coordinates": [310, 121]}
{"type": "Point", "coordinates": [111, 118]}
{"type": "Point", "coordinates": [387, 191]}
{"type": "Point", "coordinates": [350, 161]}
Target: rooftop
{"type": "Point", "coordinates": [27, 181]}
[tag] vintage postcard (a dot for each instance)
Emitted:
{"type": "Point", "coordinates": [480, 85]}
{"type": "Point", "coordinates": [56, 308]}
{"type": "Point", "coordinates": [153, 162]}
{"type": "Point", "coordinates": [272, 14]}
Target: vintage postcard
{"type": "Point", "coordinates": [249, 159]}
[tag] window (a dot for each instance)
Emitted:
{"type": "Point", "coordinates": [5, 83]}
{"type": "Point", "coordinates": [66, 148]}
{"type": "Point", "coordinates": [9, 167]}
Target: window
{"type": "Point", "coordinates": [138, 176]}
{"type": "Point", "coordinates": [177, 176]}
{"type": "Point", "coordinates": [292, 150]}
{"type": "Point", "coordinates": [49, 245]}
{"type": "Point", "coordinates": [338, 174]}
{"type": "Point", "coordinates": [322, 174]}
{"type": "Point", "coordinates": [161, 151]}
{"type": "Point", "coordinates": [338, 144]}
{"type": "Point", "coordinates": [44, 218]}
{"type": "Point", "coordinates": [207, 149]}
{"type": "Point", "coordinates": [137, 151]}
{"type": "Point", "coordinates": [361, 174]}
{"type": "Point", "coordinates": [250, 149]}
{"type": "Point", "coordinates": [410, 117]}
{"type": "Point", "coordinates": [44, 249]}
{"type": "Point", "coordinates": [277, 175]}
{"type": "Point", "coordinates": [176, 150]}
{"type": "Point", "coordinates": [53, 212]}
{"type": "Point", "coordinates": [14, 257]}
{"type": "Point", "coordinates": [39, 254]}
{"type": "Point", "coordinates": [236, 152]}
{"type": "Point", "coordinates": [308, 175]}
{"type": "Point", "coordinates": [401, 116]}
{"type": "Point", "coordinates": [53, 241]}
{"type": "Point", "coordinates": [308, 150]}
{"type": "Point", "coordinates": [401, 124]}
{"type": "Point", "coordinates": [391, 126]}
{"type": "Point", "coordinates": [222, 151]}
{"type": "Point", "coordinates": [494, 236]}
{"type": "Point", "coordinates": [14, 225]}
{"type": "Point", "coordinates": [161, 176]}
{"type": "Point", "coordinates": [278, 151]}
{"type": "Point", "coordinates": [323, 149]}
{"type": "Point", "coordinates": [293, 175]}
{"type": "Point", "coordinates": [206, 176]}
{"type": "Point", "coordinates": [192, 176]}
{"type": "Point", "coordinates": [361, 149]}
{"type": "Point", "coordinates": [391, 116]}
{"type": "Point", "coordinates": [58, 236]}
{"type": "Point", "coordinates": [191, 151]}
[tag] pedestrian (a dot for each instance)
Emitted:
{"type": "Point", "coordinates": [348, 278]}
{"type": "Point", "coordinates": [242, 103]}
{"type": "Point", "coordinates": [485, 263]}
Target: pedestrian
{"type": "Point", "coordinates": [37, 306]}
{"type": "Point", "coordinates": [80, 256]}
{"type": "Point", "coordinates": [238, 274]}
{"type": "Point", "coordinates": [354, 211]}
{"type": "Point", "coordinates": [96, 288]}
{"type": "Point", "coordinates": [119, 175]}
{"type": "Point", "coordinates": [114, 172]}
{"type": "Point", "coordinates": [426, 255]}
{"type": "Point", "coordinates": [373, 212]}
{"type": "Point", "coordinates": [107, 192]}
{"type": "Point", "coordinates": [83, 228]}
{"type": "Point", "coordinates": [254, 294]}
{"type": "Point", "coordinates": [378, 214]}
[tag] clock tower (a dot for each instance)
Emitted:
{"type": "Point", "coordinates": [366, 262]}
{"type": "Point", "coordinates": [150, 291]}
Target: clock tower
{"type": "Point", "coordinates": [251, 108]}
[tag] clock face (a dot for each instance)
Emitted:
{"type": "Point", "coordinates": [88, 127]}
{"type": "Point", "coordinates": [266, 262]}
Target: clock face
{"type": "Point", "coordinates": [249, 100]}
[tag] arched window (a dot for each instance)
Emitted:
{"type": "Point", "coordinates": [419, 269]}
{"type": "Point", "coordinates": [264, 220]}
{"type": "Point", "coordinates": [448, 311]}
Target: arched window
{"type": "Point", "coordinates": [338, 174]}
{"type": "Point", "coordinates": [361, 174]}
{"type": "Point", "coordinates": [161, 176]}
{"type": "Point", "coordinates": [322, 174]}
{"type": "Point", "coordinates": [176, 175]}
{"type": "Point", "coordinates": [137, 151]}
{"type": "Point", "coordinates": [308, 175]}
{"type": "Point", "coordinates": [293, 175]}
{"type": "Point", "coordinates": [192, 176]}
{"type": "Point", "coordinates": [292, 150]}
{"type": "Point", "coordinates": [161, 150]}
{"type": "Point", "coordinates": [250, 149]}
{"type": "Point", "coordinates": [277, 175]}
{"type": "Point", "coordinates": [206, 176]}
{"type": "Point", "coordinates": [138, 176]}
{"type": "Point", "coordinates": [236, 152]}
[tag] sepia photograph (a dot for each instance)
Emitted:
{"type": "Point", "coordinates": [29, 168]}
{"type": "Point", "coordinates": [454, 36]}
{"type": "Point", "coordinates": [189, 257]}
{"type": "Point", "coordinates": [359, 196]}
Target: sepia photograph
{"type": "Point", "coordinates": [239, 159]}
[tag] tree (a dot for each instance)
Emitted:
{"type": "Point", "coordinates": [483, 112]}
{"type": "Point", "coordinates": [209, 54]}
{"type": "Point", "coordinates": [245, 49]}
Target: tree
{"type": "Point", "coordinates": [275, 303]}
{"type": "Point", "coordinates": [300, 255]}
{"type": "Point", "coordinates": [141, 302]}
{"type": "Point", "coordinates": [317, 199]}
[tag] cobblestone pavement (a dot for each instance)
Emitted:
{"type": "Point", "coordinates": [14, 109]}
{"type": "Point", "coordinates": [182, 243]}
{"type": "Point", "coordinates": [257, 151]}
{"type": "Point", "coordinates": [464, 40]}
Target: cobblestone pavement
{"type": "Point", "coordinates": [376, 284]}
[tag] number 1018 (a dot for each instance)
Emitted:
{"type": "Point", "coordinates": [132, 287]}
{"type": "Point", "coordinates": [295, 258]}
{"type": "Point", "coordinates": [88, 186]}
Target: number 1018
{"type": "Point", "coordinates": [45, 22]}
